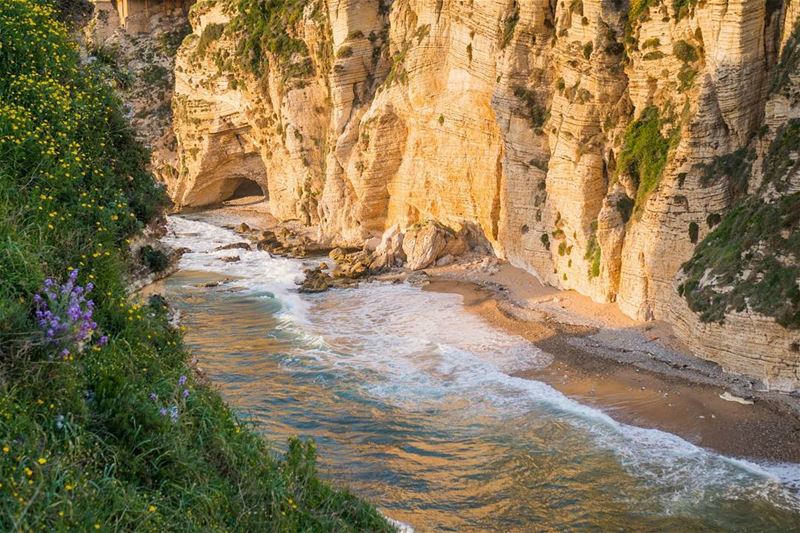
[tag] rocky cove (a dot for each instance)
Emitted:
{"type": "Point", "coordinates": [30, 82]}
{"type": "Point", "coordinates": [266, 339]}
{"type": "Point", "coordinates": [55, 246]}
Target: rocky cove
{"type": "Point", "coordinates": [596, 200]}
{"type": "Point", "coordinates": [638, 153]}
{"type": "Point", "coordinates": [430, 398]}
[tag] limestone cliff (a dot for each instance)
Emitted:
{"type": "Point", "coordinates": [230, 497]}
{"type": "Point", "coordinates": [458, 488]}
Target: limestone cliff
{"type": "Point", "coordinates": [596, 143]}
{"type": "Point", "coordinates": [135, 42]}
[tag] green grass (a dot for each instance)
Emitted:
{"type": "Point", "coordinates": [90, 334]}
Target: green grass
{"type": "Point", "coordinates": [781, 161]}
{"type": "Point", "coordinates": [593, 253]}
{"type": "Point", "coordinates": [83, 447]}
{"type": "Point", "coordinates": [211, 33]}
{"type": "Point", "coordinates": [787, 68]}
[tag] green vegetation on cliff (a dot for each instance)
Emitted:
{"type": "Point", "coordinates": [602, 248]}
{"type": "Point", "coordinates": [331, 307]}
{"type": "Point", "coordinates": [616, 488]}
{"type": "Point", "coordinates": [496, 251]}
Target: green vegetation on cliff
{"type": "Point", "coordinates": [103, 425]}
{"type": "Point", "coordinates": [750, 261]}
{"type": "Point", "coordinates": [266, 28]}
{"type": "Point", "coordinates": [644, 153]}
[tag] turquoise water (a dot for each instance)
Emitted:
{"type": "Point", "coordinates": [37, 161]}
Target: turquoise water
{"type": "Point", "coordinates": [412, 404]}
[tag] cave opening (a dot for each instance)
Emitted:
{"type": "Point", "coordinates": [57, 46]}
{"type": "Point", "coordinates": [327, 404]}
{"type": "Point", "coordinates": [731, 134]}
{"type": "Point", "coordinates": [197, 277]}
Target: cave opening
{"type": "Point", "coordinates": [242, 189]}
{"type": "Point", "coordinates": [246, 188]}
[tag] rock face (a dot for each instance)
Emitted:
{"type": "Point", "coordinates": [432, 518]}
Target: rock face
{"type": "Point", "coordinates": [135, 42]}
{"type": "Point", "coordinates": [593, 143]}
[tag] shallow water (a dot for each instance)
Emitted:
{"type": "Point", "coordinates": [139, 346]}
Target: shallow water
{"type": "Point", "coordinates": [412, 404]}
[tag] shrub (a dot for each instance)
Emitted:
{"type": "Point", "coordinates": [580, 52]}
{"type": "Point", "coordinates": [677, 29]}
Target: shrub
{"type": "Point", "coordinates": [510, 24]}
{"type": "Point", "coordinates": [653, 56]}
{"type": "Point", "coordinates": [788, 67]}
{"type": "Point", "coordinates": [681, 7]}
{"type": "Point", "coordinates": [265, 28]}
{"type": "Point", "coordinates": [593, 253]}
{"type": "Point", "coordinates": [654, 42]}
{"type": "Point", "coordinates": [685, 51]}
{"type": "Point", "coordinates": [694, 232]}
{"type": "Point", "coordinates": [736, 167]}
{"type": "Point", "coordinates": [625, 208]}
{"type": "Point", "coordinates": [211, 33]}
{"type": "Point", "coordinates": [344, 51]}
{"type": "Point", "coordinates": [637, 9]}
{"type": "Point", "coordinates": [536, 113]}
{"type": "Point", "coordinates": [153, 259]}
{"type": "Point", "coordinates": [782, 160]}
{"type": "Point", "coordinates": [686, 78]}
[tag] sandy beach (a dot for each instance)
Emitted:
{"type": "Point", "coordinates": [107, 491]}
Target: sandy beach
{"type": "Point", "coordinates": [636, 372]}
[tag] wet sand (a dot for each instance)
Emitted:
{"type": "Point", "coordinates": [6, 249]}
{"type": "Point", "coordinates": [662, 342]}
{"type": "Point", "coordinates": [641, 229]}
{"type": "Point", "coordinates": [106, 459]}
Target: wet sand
{"type": "Point", "coordinates": [683, 402]}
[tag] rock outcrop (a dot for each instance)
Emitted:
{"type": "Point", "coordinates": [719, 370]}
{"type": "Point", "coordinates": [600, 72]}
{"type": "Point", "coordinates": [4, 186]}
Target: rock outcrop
{"type": "Point", "coordinates": [593, 143]}
{"type": "Point", "coordinates": [135, 42]}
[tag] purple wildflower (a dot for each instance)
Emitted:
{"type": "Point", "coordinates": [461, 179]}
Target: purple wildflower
{"type": "Point", "coordinates": [185, 393]}
{"type": "Point", "coordinates": [103, 340]}
{"type": "Point", "coordinates": [65, 315]}
{"type": "Point", "coordinates": [182, 380]}
{"type": "Point", "coordinates": [173, 413]}
{"type": "Point", "coordinates": [153, 396]}
{"type": "Point", "coordinates": [163, 411]}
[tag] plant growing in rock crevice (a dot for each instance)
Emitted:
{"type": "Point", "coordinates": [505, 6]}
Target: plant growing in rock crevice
{"type": "Point", "coordinates": [510, 24]}
{"type": "Point", "coordinates": [644, 153]}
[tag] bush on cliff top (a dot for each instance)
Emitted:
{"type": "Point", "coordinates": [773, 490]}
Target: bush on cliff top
{"type": "Point", "coordinates": [100, 429]}
{"type": "Point", "coordinates": [266, 30]}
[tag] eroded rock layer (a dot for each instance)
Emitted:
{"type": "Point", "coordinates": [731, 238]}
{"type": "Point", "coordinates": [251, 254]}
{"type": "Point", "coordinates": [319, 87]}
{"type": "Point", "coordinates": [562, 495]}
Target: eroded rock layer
{"type": "Point", "coordinates": [594, 143]}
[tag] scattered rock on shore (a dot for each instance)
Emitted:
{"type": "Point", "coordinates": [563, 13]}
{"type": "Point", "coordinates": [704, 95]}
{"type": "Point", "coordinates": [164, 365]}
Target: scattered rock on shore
{"type": "Point", "coordinates": [316, 281]}
{"type": "Point", "coordinates": [352, 265]}
{"type": "Point", "coordinates": [235, 246]}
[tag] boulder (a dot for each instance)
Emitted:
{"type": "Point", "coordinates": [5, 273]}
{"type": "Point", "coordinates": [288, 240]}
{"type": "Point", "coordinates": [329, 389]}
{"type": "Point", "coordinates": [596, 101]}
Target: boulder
{"type": "Point", "coordinates": [418, 279]}
{"type": "Point", "coordinates": [315, 281]}
{"type": "Point", "coordinates": [351, 265]}
{"type": "Point", "coordinates": [243, 228]}
{"type": "Point", "coordinates": [389, 252]}
{"type": "Point", "coordinates": [445, 260]}
{"type": "Point", "coordinates": [424, 243]}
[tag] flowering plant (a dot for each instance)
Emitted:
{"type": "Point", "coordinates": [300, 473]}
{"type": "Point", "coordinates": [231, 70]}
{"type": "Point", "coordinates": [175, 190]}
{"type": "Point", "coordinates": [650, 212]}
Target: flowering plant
{"type": "Point", "coordinates": [64, 315]}
{"type": "Point", "coordinates": [178, 400]}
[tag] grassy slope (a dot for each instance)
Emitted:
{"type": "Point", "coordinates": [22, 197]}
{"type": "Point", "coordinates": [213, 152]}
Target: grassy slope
{"type": "Point", "coordinates": [82, 444]}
